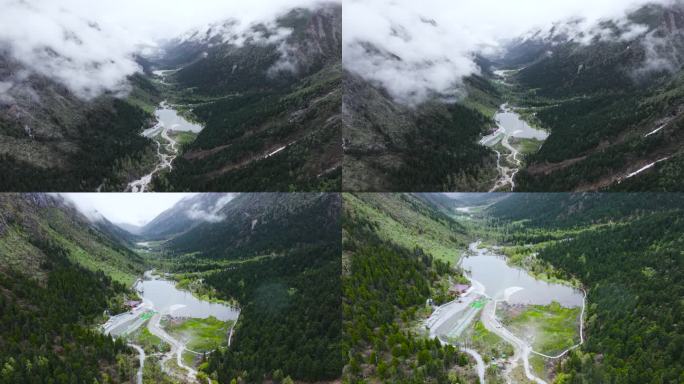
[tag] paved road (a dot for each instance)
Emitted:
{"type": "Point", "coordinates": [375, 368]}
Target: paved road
{"type": "Point", "coordinates": [480, 363]}
{"type": "Point", "coordinates": [177, 347]}
{"type": "Point", "coordinates": [141, 356]}
{"type": "Point", "coordinates": [449, 320]}
{"type": "Point", "coordinates": [521, 348]}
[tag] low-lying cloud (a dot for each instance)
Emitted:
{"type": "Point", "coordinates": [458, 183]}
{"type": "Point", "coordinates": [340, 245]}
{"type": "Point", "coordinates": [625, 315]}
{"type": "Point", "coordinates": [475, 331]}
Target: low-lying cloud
{"type": "Point", "coordinates": [90, 46]}
{"type": "Point", "coordinates": [210, 214]}
{"type": "Point", "coordinates": [420, 50]}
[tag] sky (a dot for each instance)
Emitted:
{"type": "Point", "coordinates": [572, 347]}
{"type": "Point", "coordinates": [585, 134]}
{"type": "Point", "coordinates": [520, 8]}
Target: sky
{"type": "Point", "coordinates": [427, 47]}
{"type": "Point", "coordinates": [89, 45]}
{"type": "Point", "coordinates": [125, 208]}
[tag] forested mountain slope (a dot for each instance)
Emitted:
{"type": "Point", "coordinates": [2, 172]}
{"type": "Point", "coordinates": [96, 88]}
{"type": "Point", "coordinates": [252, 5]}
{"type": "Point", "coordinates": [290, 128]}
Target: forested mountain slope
{"type": "Point", "coordinates": [250, 224]}
{"type": "Point", "coordinates": [393, 261]}
{"type": "Point", "coordinates": [409, 221]}
{"type": "Point", "coordinates": [58, 274]}
{"type": "Point", "coordinates": [54, 140]}
{"type": "Point", "coordinates": [29, 219]}
{"type": "Point", "coordinates": [185, 215]}
{"type": "Point", "coordinates": [271, 108]}
{"type": "Point", "coordinates": [430, 147]}
{"type": "Point", "coordinates": [290, 320]}
{"type": "Point", "coordinates": [578, 209]}
{"type": "Point", "coordinates": [278, 256]}
{"type": "Point", "coordinates": [631, 266]}
{"type": "Point", "coordinates": [614, 104]}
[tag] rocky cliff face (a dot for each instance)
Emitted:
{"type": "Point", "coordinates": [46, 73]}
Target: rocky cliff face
{"type": "Point", "coordinates": [321, 41]}
{"type": "Point", "coordinates": [37, 115]}
{"type": "Point", "coordinates": [374, 135]}
{"type": "Point", "coordinates": [220, 58]}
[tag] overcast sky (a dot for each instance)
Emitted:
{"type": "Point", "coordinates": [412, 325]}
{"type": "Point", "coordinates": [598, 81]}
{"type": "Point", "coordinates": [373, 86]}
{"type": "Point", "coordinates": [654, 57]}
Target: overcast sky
{"type": "Point", "coordinates": [129, 208]}
{"type": "Point", "coordinates": [436, 39]}
{"type": "Point", "coordinates": [88, 45]}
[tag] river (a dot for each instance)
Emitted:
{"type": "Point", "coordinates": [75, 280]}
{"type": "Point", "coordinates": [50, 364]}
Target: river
{"type": "Point", "coordinates": [510, 125]}
{"type": "Point", "coordinates": [168, 122]}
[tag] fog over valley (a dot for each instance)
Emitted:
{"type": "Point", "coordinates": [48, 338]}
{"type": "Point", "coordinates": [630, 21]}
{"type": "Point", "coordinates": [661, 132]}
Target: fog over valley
{"type": "Point", "coordinates": [91, 47]}
{"type": "Point", "coordinates": [418, 50]}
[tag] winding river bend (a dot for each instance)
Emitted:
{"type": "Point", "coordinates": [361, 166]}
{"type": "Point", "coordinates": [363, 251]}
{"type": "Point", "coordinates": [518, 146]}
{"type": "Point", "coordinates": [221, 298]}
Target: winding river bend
{"type": "Point", "coordinates": [160, 297]}
{"type": "Point", "coordinates": [510, 125]}
{"type": "Point", "coordinates": [168, 123]}
{"type": "Point", "coordinates": [493, 281]}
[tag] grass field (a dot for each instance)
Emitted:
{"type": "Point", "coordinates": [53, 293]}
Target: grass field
{"type": "Point", "coordinates": [552, 328]}
{"type": "Point", "coordinates": [86, 248]}
{"type": "Point", "coordinates": [201, 335]}
{"type": "Point", "coordinates": [183, 138]}
{"type": "Point", "coordinates": [526, 146]}
{"type": "Point", "coordinates": [408, 228]}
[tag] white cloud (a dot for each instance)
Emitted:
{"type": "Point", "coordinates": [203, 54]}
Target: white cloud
{"type": "Point", "coordinates": [425, 48]}
{"type": "Point", "coordinates": [89, 46]}
{"type": "Point", "coordinates": [210, 214]}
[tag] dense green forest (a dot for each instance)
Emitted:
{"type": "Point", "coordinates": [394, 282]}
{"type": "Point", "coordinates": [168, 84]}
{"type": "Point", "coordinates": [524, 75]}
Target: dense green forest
{"type": "Point", "coordinates": [634, 274]}
{"type": "Point", "coordinates": [385, 289]}
{"type": "Point", "coordinates": [428, 147]}
{"type": "Point", "coordinates": [270, 110]}
{"type": "Point", "coordinates": [665, 176]}
{"type": "Point", "coordinates": [290, 323]}
{"type": "Point", "coordinates": [442, 152]}
{"type": "Point", "coordinates": [600, 103]}
{"type": "Point", "coordinates": [580, 126]}
{"type": "Point", "coordinates": [277, 255]}
{"type": "Point", "coordinates": [253, 123]}
{"type": "Point", "coordinates": [568, 210]}
{"type": "Point", "coordinates": [60, 275]}
{"type": "Point", "coordinates": [46, 333]}
{"type": "Point", "coordinates": [626, 249]}
{"type": "Point", "coordinates": [249, 111]}
{"type": "Point", "coordinates": [108, 147]}
{"type": "Point", "coordinates": [261, 223]}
